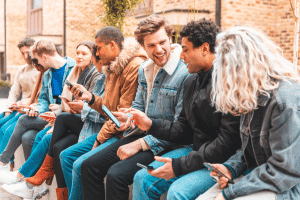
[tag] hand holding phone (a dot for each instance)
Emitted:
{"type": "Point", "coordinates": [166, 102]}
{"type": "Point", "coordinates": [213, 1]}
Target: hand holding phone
{"type": "Point", "coordinates": [111, 116]}
{"type": "Point", "coordinates": [145, 167]}
{"type": "Point", "coordinates": [212, 168]}
{"type": "Point", "coordinates": [47, 116]}
{"type": "Point", "coordinates": [64, 98]}
{"type": "Point", "coordinates": [68, 83]}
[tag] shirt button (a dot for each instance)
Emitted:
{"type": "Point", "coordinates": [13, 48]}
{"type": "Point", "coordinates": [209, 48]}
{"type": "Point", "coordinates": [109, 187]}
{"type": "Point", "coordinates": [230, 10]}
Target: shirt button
{"type": "Point", "coordinates": [156, 82]}
{"type": "Point", "coordinates": [151, 101]}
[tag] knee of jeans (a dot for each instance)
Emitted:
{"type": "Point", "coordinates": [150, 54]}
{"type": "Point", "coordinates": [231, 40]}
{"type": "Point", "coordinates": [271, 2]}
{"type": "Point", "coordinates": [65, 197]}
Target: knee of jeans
{"type": "Point", "coordinates": [77, 166]}
{"type": "Point", "coordinates": [139, 178]}
{"type": "Point", "coordinates": [22, 119]}
{"type": "Point", "coordinates": [63, 159]}
{"type": "Point", "coordinates": [114, 173]}
{"type": "Point", "coordinates": [175, 194]}
{"type": "Point", "coordinates": [26, 140]}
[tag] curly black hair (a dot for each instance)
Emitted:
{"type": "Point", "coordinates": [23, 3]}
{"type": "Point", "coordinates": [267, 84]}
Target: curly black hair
{"type": "Point", "coordinates": [198, 32]}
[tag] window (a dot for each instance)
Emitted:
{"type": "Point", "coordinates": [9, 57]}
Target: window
{"type": "Point", "coordinates": [34, 17]}
{"type": "Point", "coordinates": [36, 4]}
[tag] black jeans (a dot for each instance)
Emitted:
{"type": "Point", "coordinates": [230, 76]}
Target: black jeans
{"type": "Point", "coordinates": [66, 131]}
{"type": "Point", "coordinates": [119, 173]}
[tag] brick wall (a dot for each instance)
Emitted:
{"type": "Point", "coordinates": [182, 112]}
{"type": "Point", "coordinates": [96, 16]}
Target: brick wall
{"type": "Point", "coordinates": [285, 28]}
{"type": "Point", "coordinates": [53, 17]}
{"type": "Point", "coordinates": [82, 23]}
{"type": "Point", "coordinates": [16, 27]}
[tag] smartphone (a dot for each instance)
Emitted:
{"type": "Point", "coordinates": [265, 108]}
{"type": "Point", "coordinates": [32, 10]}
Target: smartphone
{"type": "Point", "coordinates": [68, 83]}
{"type": "Point", "coordinates": [212, 168]}
{"type": "Point", "coordinates": [145, 167]}
{"type": "Point", "coordinates": [65, 98]}
{"type": "Point", "coordinates": [111, 116]}
{"type": "Point", "coordinates": [46, 115]}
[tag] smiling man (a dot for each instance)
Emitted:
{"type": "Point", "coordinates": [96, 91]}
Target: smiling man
{"type": "Point", "coordinates": [214, 136]}
{"type": "Point", "coordinates": [160, 89]}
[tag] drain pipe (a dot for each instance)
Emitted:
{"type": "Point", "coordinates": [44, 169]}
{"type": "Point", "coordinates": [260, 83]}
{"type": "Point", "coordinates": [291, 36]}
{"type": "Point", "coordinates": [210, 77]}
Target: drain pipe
{"type": "Point", "coordinates": [64, 35]}
{"type": "Point", "coordinates": [218, 13]}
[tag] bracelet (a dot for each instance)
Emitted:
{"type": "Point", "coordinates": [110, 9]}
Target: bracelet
{"type": "Point", "coordinates": [92, 100]}
{"type": "Point", "coordinates": [98, 141]}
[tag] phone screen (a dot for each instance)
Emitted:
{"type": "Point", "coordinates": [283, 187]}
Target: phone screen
{"type": "Point", "coordinates": [111, 116]}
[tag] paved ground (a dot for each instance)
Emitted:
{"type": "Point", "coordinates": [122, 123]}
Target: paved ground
{"type": "Point", "coordinates": [4, 195]}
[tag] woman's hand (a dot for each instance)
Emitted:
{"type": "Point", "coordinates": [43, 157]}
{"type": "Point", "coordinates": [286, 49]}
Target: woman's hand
{"type": "Point", "coordinates": [87, 96]}
{"type": "Point", "coordinates": [50, 118]}
{"type": "Point", "coordinates": [76, 106]}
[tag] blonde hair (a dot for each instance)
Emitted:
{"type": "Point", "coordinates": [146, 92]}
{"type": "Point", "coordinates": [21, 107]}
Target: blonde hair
{"type": "Point", "coordinates": [247, 65]}
{"type": "Point", "coordinates": [44, 46]}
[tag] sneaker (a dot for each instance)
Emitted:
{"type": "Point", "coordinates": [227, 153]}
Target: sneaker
{"type": "Point", "coordinates": [20, 189]}
{"type": "Point", "coordinates": [5, 167]}
{"type": "Point", "coordinates": [40, 191]}
{"type": "Point", "coordinates": [7, 177]}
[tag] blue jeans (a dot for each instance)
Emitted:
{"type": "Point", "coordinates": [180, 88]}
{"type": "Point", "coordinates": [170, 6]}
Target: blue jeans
{"type": "Point", "coordinates": [185, 187]}
{"type": "Point", "coordinates": [71, 160]}
{"type": "Point", "coordinates": [4, 120]}
{"type": "Point", "coordinates": [39, 151]}
{"type": "Point", "coordinates": [7, 129]}
{"type": "Point", "coordinates": [24, 132]}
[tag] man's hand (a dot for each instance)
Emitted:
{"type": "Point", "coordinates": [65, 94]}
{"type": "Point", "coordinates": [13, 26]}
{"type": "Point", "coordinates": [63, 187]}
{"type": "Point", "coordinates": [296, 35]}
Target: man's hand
{"type": "Point", "coordinates": [87, 96]}
{"type": "Point", "coordinates": [53, 107]}
{"type": "Point", "coordinates": [129, 150]}
{"type": "Point", "coordinates": [32, 112]}
{"type": "Point", "coordinates": [123, 119]}
{"type": "Point", "coordinates": [220, 197]}
{"type": "Point", "coordinates": [76, 106]}
{"type": "Point", "coordinates": [222, 180]}
{"type": "Point", "coordinates": [166, 171]}
{"type": "Point", "coordinates": [96, 144]}
{"type": "Point", "coordinates": [139, 119]}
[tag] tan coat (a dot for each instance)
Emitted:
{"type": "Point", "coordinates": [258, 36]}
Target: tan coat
{"type": "Point", "coordinates": [120, 84]}
{"type": "Point", "coordinates": [25, 81]}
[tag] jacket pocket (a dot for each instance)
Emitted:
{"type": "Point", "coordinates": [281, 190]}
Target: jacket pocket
{"type": "Point", "coordinates": [166, 102]}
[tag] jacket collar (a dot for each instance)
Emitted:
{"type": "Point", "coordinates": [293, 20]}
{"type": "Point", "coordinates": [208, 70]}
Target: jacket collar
{"type": "Point", "coordinates": [172, 63]}
{"type": "Point", "coordinates": [130, 48]}
{"type": "Point", "coordinates": [263, 99]}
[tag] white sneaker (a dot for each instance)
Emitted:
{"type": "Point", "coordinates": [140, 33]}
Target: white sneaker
{"type": "Point", "coordinates": [7, 177]}
{"type": "Point", "coordinates": [19, 189]}
{"type": "Point", "coordinates": [40, 191]}
{"type": "Point", "coordinates": [5, 167]}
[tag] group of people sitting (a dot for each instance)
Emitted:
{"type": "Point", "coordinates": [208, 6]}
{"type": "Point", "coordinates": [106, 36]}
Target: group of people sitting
{"type": "Point", "coordinates": [227, 100]}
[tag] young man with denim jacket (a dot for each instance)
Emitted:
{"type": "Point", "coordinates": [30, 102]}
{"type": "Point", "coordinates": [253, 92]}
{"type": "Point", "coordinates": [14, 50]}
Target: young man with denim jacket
{"type": "Point", "coordinates": [30, 124]}
{"type": "Point", "coordinates": [267, 165]}
{"type": "Point", "coordinates": [159, 94]}
{"type": "Point", "coordinates": [214, 136]}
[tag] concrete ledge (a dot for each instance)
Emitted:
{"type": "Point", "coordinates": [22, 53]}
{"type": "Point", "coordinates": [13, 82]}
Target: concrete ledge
{"type": "Point", "coordinates": [19, 160]}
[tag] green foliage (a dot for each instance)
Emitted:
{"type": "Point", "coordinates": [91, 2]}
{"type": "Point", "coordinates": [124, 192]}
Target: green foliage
{"type": "Point", "coordinates": [5, 84]}
{"type": "Point", "coordinates": [115, 11]}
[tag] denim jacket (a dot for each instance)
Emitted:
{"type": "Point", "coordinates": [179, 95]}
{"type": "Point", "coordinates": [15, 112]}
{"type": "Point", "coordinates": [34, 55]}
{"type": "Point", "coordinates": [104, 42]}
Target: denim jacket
{"type": "Point", "coordinates": [46, 96]}
{"type": "Point", "coordinates": [92, 119]}
{"type": "Point", "coordinates": [274, 129]}
{"type": "Point", "coordinates": [165, 101]}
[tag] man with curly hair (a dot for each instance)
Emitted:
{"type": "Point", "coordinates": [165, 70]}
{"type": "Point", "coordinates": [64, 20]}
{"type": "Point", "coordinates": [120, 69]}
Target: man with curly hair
{"type": "Point", "coordinates": [215, 137]}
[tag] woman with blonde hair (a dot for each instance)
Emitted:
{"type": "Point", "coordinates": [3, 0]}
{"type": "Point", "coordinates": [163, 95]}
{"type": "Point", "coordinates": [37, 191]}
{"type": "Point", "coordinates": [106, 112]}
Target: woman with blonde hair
{"type": "Point", "coordinates": [251, 78]}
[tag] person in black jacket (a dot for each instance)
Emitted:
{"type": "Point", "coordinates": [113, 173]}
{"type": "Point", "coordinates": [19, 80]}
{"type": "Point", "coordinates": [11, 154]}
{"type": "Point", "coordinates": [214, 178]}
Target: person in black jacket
{"type": "Point", "coordinates": [215, 137]}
